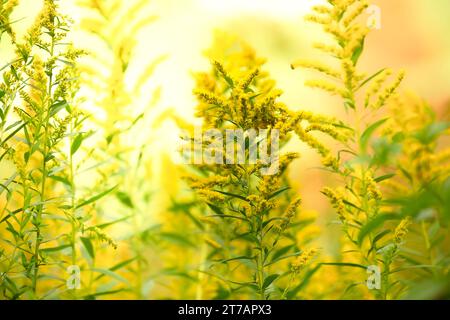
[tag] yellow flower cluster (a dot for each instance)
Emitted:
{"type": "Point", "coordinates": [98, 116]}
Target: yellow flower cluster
{"type": "Point", "coordinates": [337, 201]}
{"type": "Point", "coordinates": [290, 213]}
{"type": "Point", "coordinates": [206, 183]}
{"type": "Point", "coordinates": [302, 260]}
{"type": "Point", "coordinates": [238, 94]}
{"type": "Point", "coordinates": [424, 161]}
{"type": "Point", "coordinates": [339, 18]}
{"type": "Point", "coordinates": [328, 159]}
{"type": "Point", "coordinates": [6, 8]}
{"type": "Point", "coordinates": [211, 196]}
{"type": "Point", "coordinates": [401, 230]}
{"type": "Point", "coordinates": [102, 236]}
{"type": "Point", "coordinates": [373, 189]}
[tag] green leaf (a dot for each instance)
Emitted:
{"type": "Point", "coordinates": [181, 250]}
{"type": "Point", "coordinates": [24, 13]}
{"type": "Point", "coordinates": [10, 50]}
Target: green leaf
{"type": "Point", "coordinates": [344, 264]}
{"type": "Point", "coordinates": [374, 224]}
{"type": "Point", "coordinates": [122, 264]}
{"type": "Point", "coordinates": [379, 236]}
{"type": "Point", "coordinates": [226, 216]}
{"type": "Point", "coordinates": [385, 177]}
{"type": "Point", "coordinates": [177, 239]}
{"type": "Point", "coordinates": [352, 205]}
{"type": "Point", "coordinates": [365, 137]}
{"type": "Point", "coordinates": [283, 257]}
{"type": "Point", "coordinates": [111, 274]}
{"type": "Point", "coordinates": [125, 199]}
{"type": "Point", "coordinates": [95, 198]}
{"type": "Point", "coordinates": [268, 281]}
{"type": "Point", "coordinates": [12, 134]}
{"type": "Point", "coordinates": [281, 252]}
{"type": "Point", "coordinates": [61, 179]}
{"type": "Point", "coordinates": [349, 104]}
{"type": "Point", "coordinates": [76, 144]}
{"type": "Point", "coordinates": [222, 293]}
{"type": "Point", "coordinates": [56, 107]}
{"type": "Point", "coordinates": [278, 192]}
{"type": "Point", "coordinates": [235, 259]}
{"type": "Point", "coordinates": [215, 208]}
{"type": "Point", "coordinates": [228, 80]}
{"type": "Point", "coordinates": [267, 222]}
{"type": "Point", "coordinates": [118, 266]}
{"type": "Point", "coordinates": [107, 224]}
{"type": "Point", "coordinates": [102, 293]}
{"type": "Point", "coordinates": [370, 78]}
{"type": "Point", "coordinates": [431, 132]}
{"type": "Point", "coordinates": [305, 280]}
{"type": "Point", "coordinates": [232, 195]}
{"type": "Point", "coordinates": [58, 248]}
{"type": "Point", "coordinates": [88, 245]}
{"type": "Point", "coordinates": [357, 53]}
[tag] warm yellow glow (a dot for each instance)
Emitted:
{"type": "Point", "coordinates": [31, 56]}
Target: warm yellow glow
{"type": "Point", "coordinates": [278, 8]}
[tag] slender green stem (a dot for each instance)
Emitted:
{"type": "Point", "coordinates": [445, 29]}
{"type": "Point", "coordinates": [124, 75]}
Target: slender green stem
{"type": "Point", "coordinates": [260, 258]}
{"type": "Point", "coordinates": [45, 151]}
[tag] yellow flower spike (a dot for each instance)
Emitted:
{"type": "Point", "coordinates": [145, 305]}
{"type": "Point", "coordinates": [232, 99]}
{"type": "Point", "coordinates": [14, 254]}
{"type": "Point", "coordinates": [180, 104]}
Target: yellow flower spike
{"type": "Point", "coordinates": [328, 129]}
{"type": "Point", "coordinates": [213, 243]}
{"type": "Point", "coordinates": [354, 37]}
{"type": "Point", "coordinates": [330, 161]}
{"type": "Point", "coordinates": [335, 51]}
{"type": "Point", "coordinates": [302, 260]}
{"type": "Point", "coordinates": [268, 185]}
{"type": "Point", "coordinates": [288, 215]}
{"type": "Point", "coordinates": [249, 79]}
{"type": "Point", "coordinates": [348, 74]}
{"type": "Point", "coordinates": [214, 181]}
{"type": "Point", "coordinates": [372, 188]}
{"type": "Point", "coordinates": [318, 19]}
{"type": "Point", "coordinates": [211, 195]}
{"type": "Point", "coordinates": [354, 12]}
{"type": "Point", "coordinates": [311, 141]}
{"type": "Point", "coordinates": [401, 230]}
{"type": "Point", "coordinates": [390, 90]}
{"type": "Point", "coordinates": [337, 201]}
{"type": "Point", "coordinates": [334, 29]}
{"type": "Point", "coordinates": [376, 85]}
{"type": "Point", "coordinates": [316, 66]}
{"type": "Point", "coordinates": [222, 71]}
{"type": "Point", "coordinates": [102, 236]}
{"type": "Point", "coordinates": [210, 98]}
{"type": "Point", "coordinates": [322, 10]}
{"type": "Point", "coordinates": [326, 86]}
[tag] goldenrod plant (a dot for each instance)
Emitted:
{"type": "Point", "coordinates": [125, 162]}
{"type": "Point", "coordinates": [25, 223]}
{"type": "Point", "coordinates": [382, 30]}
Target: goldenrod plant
{"type": "Point", "coordinates": [420, 189]}
{"type": "Point", "coordinates": [115, 25]}
{"type": "Point", "coordinates": [365, 162]}
{"type": "Point", "coordinates": [92, 206]}
{"type": "Point", "coordinates": [251, 209]}
{"type": "Point", "coordinates": [44, 219]}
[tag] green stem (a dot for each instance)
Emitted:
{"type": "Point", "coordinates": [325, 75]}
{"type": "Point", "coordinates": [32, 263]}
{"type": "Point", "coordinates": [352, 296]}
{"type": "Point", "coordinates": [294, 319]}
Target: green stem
{"type": "Point", "coordinates": [260, 259]}
{"type": "Point", "coordinates": [45, 151]}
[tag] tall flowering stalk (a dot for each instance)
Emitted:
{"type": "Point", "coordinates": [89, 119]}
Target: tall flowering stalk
{"type": "Point", "coordinates": [128, 111]}
{"type": "Point", "coordinates": [362, 159]}
{"type": "Point", "coordinates": [420, 188]}
{"type": "Point", "coordinates": [44, 216]}
{"type": "Point", "coordinates": [251, 211]}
